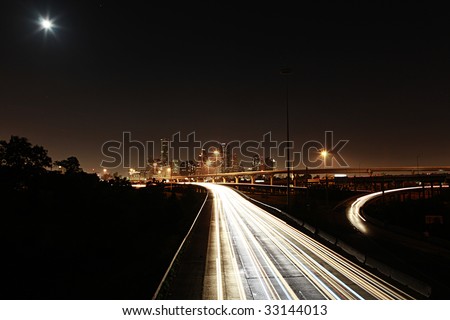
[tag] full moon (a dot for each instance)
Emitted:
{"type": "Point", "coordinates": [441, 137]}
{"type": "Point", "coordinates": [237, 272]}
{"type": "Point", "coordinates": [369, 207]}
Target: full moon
{"type": "Point", "coordinates": [46, 24]}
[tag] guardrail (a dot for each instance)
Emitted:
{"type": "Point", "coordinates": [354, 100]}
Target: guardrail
{"type": "Point", "coordinates": [155, 295]}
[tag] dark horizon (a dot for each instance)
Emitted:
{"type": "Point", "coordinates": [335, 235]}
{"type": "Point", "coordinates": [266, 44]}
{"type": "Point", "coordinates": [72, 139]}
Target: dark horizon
{"type": "Point", "coordinates": [377, 76]}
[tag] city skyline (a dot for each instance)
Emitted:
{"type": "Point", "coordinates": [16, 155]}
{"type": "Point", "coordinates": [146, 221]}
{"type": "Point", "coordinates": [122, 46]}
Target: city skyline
{"type": "Point", "coordinates": [376, 76]}
{"type": "Point", "coordinates": [129, 153]}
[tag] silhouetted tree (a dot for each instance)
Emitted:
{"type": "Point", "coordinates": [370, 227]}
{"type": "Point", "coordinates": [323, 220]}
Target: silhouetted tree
{"type": "Point", "coordinates": [19, 153]}
{"type": "Point", "coordinates": [119, 182]}
{"type": "Point", "coordinates": [71, 165]}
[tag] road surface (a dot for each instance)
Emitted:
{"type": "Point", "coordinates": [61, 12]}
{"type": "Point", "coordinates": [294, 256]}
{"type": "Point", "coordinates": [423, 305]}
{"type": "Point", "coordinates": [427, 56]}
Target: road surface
{"type": "Point", "coordinates": [253, 255]}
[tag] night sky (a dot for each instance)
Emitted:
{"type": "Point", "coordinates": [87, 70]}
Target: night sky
{"type": "Point", "coordinates": [377, 75]}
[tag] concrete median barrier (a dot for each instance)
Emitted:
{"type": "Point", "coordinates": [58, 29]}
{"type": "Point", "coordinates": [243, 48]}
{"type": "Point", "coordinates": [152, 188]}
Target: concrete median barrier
{"type": "Point", "coordinates": [411, 282]}
{"type": "Point", "coordinates": [327, 237]}
{"type": "Point", "coordinates": [309, 227]}
{"type": "Point", "coordinates": [361, 257]}
{"type": "Point", "coordinates": [380, 266]}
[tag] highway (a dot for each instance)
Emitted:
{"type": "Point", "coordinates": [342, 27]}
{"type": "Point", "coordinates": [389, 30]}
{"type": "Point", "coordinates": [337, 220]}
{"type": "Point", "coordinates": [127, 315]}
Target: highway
{"type": "Point", "coordinates": [254, 255]}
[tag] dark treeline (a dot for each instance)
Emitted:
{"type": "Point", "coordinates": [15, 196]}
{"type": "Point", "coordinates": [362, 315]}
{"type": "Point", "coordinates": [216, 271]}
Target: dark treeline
{"type": "Point", "coordinates": [73, 236]}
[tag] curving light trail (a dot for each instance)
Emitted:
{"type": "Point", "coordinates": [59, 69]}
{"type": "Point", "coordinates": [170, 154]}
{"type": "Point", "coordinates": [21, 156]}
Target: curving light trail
{"type": "Point", "coordinates": [354, 211]}
{"type": "Point", "coordinates": [254, 255]}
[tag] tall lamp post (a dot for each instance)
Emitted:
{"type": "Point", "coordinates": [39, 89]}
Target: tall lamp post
{"type": "Point", "coordinates": [324, 154]}
{"type": "Point", "coordinates": [417, 162]}
{"type": "Point", "coordinates": [286, 71]}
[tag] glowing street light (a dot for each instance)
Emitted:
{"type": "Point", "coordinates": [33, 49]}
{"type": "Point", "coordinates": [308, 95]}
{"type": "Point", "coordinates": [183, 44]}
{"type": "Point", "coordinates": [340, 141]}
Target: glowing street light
{"type": "Point", "coordinates": [105, 174]}
{"type": "Point", "coordinates": [286, 72]}
{"type": "Point", "coordinates": [169, 171]}
{"type": "Point", "coordinates": [324, 154]}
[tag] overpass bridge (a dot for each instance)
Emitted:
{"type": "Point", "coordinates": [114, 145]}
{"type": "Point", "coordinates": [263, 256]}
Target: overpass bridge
{"type": "Point", "coordinates": [376, 174]}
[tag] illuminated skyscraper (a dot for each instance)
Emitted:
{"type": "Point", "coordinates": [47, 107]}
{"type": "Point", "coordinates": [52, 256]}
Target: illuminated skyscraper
{"type": "Point", "coordinates": [227, 158]}
{"type": "Point", "coordinates": [164, 152]}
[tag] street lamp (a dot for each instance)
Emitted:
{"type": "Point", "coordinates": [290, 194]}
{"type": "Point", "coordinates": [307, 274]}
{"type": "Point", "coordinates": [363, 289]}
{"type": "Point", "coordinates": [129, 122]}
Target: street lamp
{"type": "Point", "coordinates": [417, 162]}
{"type": "Point", "coordinates": [286, 71]}
{"type": "Point", "coordinates": [324, 154]}
{"type": "Point", "coordinates": [105, 174]}
{"type": "Point", "coordinates": [169, 170]}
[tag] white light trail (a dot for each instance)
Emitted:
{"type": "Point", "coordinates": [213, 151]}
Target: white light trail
{"type": "Point", "coordinates": [354, 212]}
{"type": "Point", "coordinates": [272, 260]}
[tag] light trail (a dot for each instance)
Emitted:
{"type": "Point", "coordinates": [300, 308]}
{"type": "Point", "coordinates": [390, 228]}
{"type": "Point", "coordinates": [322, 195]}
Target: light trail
{"type": "Point", "coordinates": [354, 211]}
{"type": "Point", "coordinates": [272, 260]}
{"type": "Point", "coordinates": [218, 215]}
